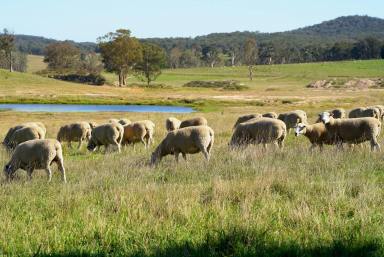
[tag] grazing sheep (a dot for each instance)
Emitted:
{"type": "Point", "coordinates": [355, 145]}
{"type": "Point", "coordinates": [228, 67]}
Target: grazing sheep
{"type": "Point", "coordinates": [189, 140]}
{"type": "Point", "coordinates": [28, 124]}
{"type": "Point", "coordinates": [338, 113]}
{"type": "Point", "coordinates": [106, 135]}
{"type": "Point", "coordinates": [124, 122]}
{"type": "Point", "coordinates": [247, 117]}
{"type": "Point", "coordinates": [198, 121]}
{"type": "Point", "coordinates": [352, 131]}
{"type": "Point", "coordinates": [364, 112]}
{"type": "Point", "coordinates": [259, 131]}
{"type": "Point", "coordinates": [134, 133]}
{"type": "Point", "coordinates": [24, 134]}
{"type": "Point", "coordinates": [316, 133]}
{"type": "Point", "coordinates": [272, 115]}
{"type": "Point", "coordinates": [172, 124]}
{"type": "Point", "coordinates": [150, 127]}
{"type": "Point", "coordinates": [77, 132]}
{"type": "Point", "coordinates": [381, 110]}
{"type": "Point", "coordinates": [291, 119]}
{"type": "Point", "coordinates": [36, 154]}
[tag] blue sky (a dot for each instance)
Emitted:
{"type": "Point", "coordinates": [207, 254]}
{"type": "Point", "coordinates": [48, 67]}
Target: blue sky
{"type": "Point", "coordinates": [85, 20]}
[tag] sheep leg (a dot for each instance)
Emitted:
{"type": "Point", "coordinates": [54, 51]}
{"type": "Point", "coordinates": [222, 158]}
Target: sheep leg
{"type": "Point", "coordinates": [184, 156]}
{"type": "Point", "coordinates": [80, 143]}
{"type": "Point", "coordinates": [144, 142]}
{"type": "Point", "coordinates": [177, 156]}
{"type": "Point", "coordinates": [209, 147]}
{"type": "Point", "coordinates": [118, 146]}
{"type": "Point", "coordinates": [29, 173]}
{"type": "Point", "coordinates": [375, 145]}
{"type": "Point", "coordinates": [70, 144]}
{"type": "Point", "coordinates": [49, 173]}
{"type": "Point", "coordinates": [60, 165]}
{"type": "Point", "coordinates": [280, 143]}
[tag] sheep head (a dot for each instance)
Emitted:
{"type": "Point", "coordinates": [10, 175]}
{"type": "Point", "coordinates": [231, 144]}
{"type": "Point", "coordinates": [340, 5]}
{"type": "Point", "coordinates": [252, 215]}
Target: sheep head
{"type": "Point", "coordinates": [300, 129]}
{"type": "Point", "coordinates": [325, 117]}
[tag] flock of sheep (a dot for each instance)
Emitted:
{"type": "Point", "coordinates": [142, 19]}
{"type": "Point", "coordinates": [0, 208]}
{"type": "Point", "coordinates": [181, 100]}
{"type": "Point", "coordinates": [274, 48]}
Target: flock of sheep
{"type": "Point", "coordinates": [30, 150]}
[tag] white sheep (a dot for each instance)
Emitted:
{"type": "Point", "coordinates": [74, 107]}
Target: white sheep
{"type": "Point", "coordinates": [106, 135]}
{"type": "Point", "coordinates": [272, 115]}
{"type": "Point", "coordinates": [172, 124]}
{"type": "Point", "coordinates": [189, 140]}
{"type": "Point", "coordinates": [134, 133]}
{"type": "Point", "coordinates": [291, 119]}
{"type": "Point", "coordinates": [36, 154]}
{"type": "Point", "coordinates": [24, 134]}
{"type": "Point", "coordinates": [259, 131]}
{"type": "Point", "coordinates": [17, 127]}
{"type": "Point", "coordinates": [352, 131]}
{"type": "Point", "coordinates": [365, 112]}
{"type": "Point", "coordinates": [150, 127]}
{"type": "Point", "coordinates": [246, 118]}
{"type": "Point", "coordinates": [316, 133]}
{"type": "Point", "coordinates": [75, 132]}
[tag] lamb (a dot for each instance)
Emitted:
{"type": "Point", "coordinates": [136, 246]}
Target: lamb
{"type": "Point", "coordinates": [352, 131]}
{"type": "Point", "coordinates": [291, 119]}
{"type": "Point", "coordinates": [189, 140]}
{"type": "Point", "coordinates": [272, 115]}
{"type": "Point", "coordinates": [134, 133]}
{"type": "Point", "coordinates": [172, 124]}
{"type": "Point", "coordinates": [259, 131]}
{"type": "Point", "coordinates": [364, 112]}
{"type": "Point", "coordinates": [150, 127]}
{"type": "Point", "coordinates": [24, 134]}
{"type": "Point", "coordinates": [316, 133]}
{"type": "Point", "coordinates": [36, 154]}
{"type": "Point", "coordinates": [106, 135]}
{"type": "Point", "coordinates": [28, 124]}
{"type": "Point", "coordinates": [247, 117]}
{"type": "Point", "coordinates": [79, 132]}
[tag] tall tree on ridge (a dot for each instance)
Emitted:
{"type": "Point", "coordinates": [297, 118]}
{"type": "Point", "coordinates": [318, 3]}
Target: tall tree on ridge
{"type": "Point", "coordinates": [251, 55]}
{"type": "Point", "coordinates": [7, 44]}
{"type": "Point", "coordinates": [120, 52]}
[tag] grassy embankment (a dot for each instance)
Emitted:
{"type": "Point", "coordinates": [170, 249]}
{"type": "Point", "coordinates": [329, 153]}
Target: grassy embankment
{"type": "Point", "coordinates": [248, 203]}
{"type": "Point", "coordinates": [273, 86]}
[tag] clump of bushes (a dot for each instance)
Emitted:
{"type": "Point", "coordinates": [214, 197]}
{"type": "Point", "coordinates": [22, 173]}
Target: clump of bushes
{"type": "Point", "coordinates": [224, 85]}
{"type": "Point", "coordinates": [90, 79]}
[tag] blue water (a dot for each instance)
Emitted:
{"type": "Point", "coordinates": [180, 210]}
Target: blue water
{"type": "Point", "coordinates": [93, 108]}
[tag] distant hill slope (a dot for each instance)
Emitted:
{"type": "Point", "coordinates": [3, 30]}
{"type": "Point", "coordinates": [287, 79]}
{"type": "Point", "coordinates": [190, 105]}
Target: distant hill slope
{"type": "Point", "coordinates": [35, 45]}
{"type": "Point", "coordinates": [348, 28]}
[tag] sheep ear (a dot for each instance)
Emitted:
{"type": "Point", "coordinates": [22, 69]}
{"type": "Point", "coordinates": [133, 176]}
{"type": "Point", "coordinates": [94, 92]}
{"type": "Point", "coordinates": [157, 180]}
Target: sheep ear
{"type": "Point", "coordinates": [331, 114]}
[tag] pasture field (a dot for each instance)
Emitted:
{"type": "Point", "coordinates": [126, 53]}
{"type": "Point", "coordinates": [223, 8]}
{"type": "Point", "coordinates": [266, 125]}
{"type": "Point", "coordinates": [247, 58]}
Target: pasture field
{"type": "Point", "coordinates": [242, 203]}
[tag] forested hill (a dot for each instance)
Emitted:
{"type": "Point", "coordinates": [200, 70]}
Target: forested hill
{"type": "Point", "coordinates": [349, 37]}
{"type": "Point", "coordinates": [36, 45]}
{"type": "Point", "coordinates": [348, 28]}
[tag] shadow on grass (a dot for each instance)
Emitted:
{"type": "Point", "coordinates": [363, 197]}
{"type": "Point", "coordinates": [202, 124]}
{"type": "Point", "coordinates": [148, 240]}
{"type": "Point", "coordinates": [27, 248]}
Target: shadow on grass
{"type": "Point", "coordinates": [244, 244]}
